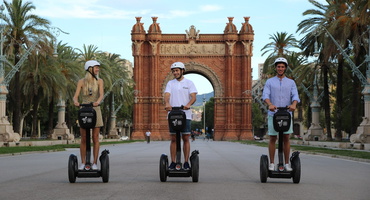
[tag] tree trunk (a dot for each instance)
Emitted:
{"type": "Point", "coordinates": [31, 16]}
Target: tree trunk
{"type": "Point", "coordinates": [339, 105]}
{"type": "Point", "coordinates": [327, 103]}
{"type": "Point", "coordinates": [51, 116]}
{"type": "Point", "coordinates": [17, 112]}
{"type": "Point", "coordinates": [35, 106]}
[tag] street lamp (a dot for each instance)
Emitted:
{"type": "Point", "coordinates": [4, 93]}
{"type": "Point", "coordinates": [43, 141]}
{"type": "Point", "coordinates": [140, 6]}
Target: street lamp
{"type": "Point", "coordinates": [363, 131]}
{"type": "Point", "coordinates": [204, 114]}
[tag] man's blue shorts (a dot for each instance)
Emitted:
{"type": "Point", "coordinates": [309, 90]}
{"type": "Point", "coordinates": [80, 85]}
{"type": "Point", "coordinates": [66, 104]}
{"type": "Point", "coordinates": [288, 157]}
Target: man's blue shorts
{"type": "Point", "coordinates": [186, 130]}
{"type": "Point", "coordinates": [271, 130]}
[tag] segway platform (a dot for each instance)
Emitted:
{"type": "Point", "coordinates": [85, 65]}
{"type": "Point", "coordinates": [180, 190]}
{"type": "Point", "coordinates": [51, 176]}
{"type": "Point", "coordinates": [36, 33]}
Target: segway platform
{"type": "Point", "coordinates": [177, 121]}
{"type": "Point", "coordinates": [87, 120]}
{"type": "Point", "coordinates": [281, 121]}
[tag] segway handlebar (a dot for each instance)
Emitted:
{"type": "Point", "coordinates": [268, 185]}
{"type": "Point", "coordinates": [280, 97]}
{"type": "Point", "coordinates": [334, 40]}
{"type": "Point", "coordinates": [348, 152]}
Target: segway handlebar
{"type": "Point", "coordinates": [87, 104]}
{"type": "Point", "coordinates": [178, 108]}
{"type": "Point", "coordinates": [282, 108]}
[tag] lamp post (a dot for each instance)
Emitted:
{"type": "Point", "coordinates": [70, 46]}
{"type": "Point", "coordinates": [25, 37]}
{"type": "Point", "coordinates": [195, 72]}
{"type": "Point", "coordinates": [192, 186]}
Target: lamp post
{"type": "Point", "coordinates": [363, 131]}
{"type": "Point", "coordinates": [204, 114]}
{"type": "Point", "coordinates": [7, 133]}
{"type": "Point", "coordinates": [315, 130]}
{"type": "Point", "coordinates": [61, 130]}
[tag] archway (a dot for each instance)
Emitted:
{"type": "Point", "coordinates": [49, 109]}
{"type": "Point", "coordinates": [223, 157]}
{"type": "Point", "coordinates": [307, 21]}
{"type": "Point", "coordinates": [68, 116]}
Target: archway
{"type": "Point", "coordinates": [224, 59]}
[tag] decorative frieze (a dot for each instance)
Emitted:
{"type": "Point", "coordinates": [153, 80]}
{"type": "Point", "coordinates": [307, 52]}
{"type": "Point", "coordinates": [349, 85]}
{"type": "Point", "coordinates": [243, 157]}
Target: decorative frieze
{"type": "Point", "coordinates": [186, 49]}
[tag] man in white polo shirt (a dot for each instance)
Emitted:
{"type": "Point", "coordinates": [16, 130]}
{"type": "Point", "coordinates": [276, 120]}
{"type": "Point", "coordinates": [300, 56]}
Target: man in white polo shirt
{"type": "Point", "coordinates": [180, 92]}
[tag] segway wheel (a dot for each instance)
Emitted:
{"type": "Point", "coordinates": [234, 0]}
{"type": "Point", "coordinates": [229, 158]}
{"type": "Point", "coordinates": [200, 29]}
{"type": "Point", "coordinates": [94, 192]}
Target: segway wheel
{"type": "Point", "coordinates": [163, 167]}
{"type": "Point", "coordinates": [195, 168]}
{"type": "Point", "coordinates": [296, 166]}
{"type": "Point", "coordinates": [72, 168]}
{"type": "Point", "coordinates": [104, 161]}
{"type": "Point", "coordinates": [263, 168]}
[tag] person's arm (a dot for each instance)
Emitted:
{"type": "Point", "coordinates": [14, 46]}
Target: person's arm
{"type": "Point", "coordinates": [193, 98]}
{"type": "Point", "coordinates": [293, 106]}
{"type": "Point", "coordinates": [77, 93]}
{"type": "Point", "coordinates": [295, 98]}
{"type": "Point", "coordinates": [270, 106]}
{"type": "Point", "coordinates": [168, 106]}
{"type": "Point", "coordinates": [101, 92]}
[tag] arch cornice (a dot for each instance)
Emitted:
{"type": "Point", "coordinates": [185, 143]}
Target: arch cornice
{"type": "Point", "coordinates": [204, 70]}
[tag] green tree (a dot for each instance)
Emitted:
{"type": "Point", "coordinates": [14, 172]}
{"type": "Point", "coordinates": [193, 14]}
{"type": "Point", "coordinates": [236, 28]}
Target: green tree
{"type": "Point", "coordinates": [311, 27]}
{"type": "Point", "coordinates": [210, 113]}
{"type": "Point", "coordinates": [23, 27]}
{"type": "Point", "coordinates": [257, 117]}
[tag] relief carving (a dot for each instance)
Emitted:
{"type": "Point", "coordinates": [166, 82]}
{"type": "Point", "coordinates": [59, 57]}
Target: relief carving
{"type": "Point", "coordinates": [136, 47]}
{"type": "Point", "coordinates": [202, 49]}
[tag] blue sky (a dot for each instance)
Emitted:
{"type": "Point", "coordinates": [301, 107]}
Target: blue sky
{"type": "Point", "coordinates": [108, 23]}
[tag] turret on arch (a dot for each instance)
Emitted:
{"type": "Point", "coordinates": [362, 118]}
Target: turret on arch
{"type": "Point", "coordinates": [224, 59]}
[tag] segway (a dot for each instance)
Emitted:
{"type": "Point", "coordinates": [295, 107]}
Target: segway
{"type": "Point", "coordinates": [281, 121]}
{"type": "Point", "coordinates": [87, 120]}
{"type": "Point", "coordinates": [177, 121]}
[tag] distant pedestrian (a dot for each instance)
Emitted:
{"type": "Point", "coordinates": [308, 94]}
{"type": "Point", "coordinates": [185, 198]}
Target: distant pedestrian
{"type": "Point", "coordinates": [148, 136]}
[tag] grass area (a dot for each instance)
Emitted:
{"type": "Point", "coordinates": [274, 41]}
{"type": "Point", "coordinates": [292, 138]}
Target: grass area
{"type": "Point", "coordinates": [318, 150]}
{"type": "Point", "coordinates": [58, 147]}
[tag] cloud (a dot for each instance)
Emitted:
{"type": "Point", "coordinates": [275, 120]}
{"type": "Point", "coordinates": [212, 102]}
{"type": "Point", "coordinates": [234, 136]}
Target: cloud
{"type": "Point", "coordinates": [210, 8]}
{"type": "Point", "coordinates": [83, 9]}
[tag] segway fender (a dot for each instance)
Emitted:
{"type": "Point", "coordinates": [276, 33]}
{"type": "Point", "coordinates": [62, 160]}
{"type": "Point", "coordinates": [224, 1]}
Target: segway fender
{"type": "Point", "coordinates": [294, 156]}
{"type": "Point", "coordinates": [195, 152]}
{"type": "Point", "coordinates": [105, 152]}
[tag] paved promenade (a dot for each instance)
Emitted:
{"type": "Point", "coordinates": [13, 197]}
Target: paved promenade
{"type": "Point", "coordinates": [227, 171]}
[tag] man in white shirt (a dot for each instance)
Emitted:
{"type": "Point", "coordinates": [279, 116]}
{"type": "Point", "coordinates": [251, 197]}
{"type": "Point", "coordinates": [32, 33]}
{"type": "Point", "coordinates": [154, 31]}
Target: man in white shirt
{"type": "Point", "coordinates": [180, 92]}
{"type": "Point", "coordinates": [148, 136]}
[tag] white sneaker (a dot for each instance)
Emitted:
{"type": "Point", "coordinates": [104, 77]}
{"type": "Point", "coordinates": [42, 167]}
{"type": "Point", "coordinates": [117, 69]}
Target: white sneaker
{"type": "Point", "coordinates": [82, 166]}
{"type": "Point", "coordinates": [288, 168]}
{"type": "Point", "coordinates": [272, 167]}
{"type": "Point", "coordinates": [94, 167]}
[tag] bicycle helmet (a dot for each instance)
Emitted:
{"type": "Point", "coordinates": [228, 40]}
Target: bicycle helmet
{"type": "Point", "coordinates": [91, 63]}
{"type": "Point", "coordinates": [178, 65]}
{"type": "Point", "coordinates": [281, 60]}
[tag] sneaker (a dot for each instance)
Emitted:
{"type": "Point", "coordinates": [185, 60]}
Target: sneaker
{"type": "Point", "coordinates": [186, 166]}
{"type": "Point", "coordinates": [272, 167]}
{"type": "Point", "coordinates": [288, 168]}
{"type": "Point", "coordinates": [82, 166]}
{"type": "Point", "coordinates": [94, 167]}
{"type": "Point", "coordinates": [172, 166]}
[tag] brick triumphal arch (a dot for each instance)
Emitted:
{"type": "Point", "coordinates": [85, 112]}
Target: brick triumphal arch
{"type": "Point", "coordinates": [224, 59]}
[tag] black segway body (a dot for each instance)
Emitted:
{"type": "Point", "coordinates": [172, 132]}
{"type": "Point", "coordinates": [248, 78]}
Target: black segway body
{"type": "Point", "coordinates": [281, 122]}
{"type": "Point", "coordinates": [87, 120]}
{"type": "Point", "coordinates": [177, 122]}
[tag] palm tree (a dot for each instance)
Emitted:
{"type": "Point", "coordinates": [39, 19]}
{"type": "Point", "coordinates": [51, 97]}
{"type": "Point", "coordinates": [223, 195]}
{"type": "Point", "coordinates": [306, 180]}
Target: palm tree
{"type": "Point", "coordinates": [66, 62]}
{"type": "Point", "coordinates": [88, 53]}
{"type": "Point", "coordinates": [311, 27]}
{"type": "Point", "coordinates": [40, 79]}
{"type": "Point", "coordinates": [114, 73]}
{"type": "Point", "coordinates": [280, 46]}
{"type": "Point", "coordinates": [23, 27]}
{"type": "Point", "coordinates": [352, 24]}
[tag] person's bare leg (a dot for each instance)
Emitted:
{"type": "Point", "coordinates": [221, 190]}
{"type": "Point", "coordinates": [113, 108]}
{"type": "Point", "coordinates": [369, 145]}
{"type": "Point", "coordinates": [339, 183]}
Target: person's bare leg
{"type": "Point", "coordinates": [286, 148]}
{"type": "Point", "coordinates": [96, 144]}
{"type": "Point", "coordinates": [173, 147]}
{"type": "Point", "coordinates": [272, 148]}
{"type": "Point", "coordinates": [186, 147]}
{"type": "Point", "coordinates": [83, 145]}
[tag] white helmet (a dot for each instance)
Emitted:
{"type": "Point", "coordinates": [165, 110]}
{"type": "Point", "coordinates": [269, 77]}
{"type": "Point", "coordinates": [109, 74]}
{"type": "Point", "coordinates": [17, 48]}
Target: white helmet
{"type": "Point", "coordinates": [91, 63]}
{"type": "Point", "coordinates": [281, 60]}
{"type": "Point", "coordinates": [178, 65]}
